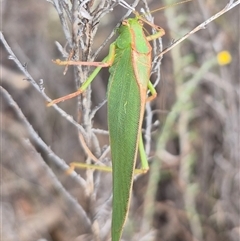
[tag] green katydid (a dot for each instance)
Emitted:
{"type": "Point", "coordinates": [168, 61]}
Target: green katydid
{"type": "Point", "coordinates": [129, 60]}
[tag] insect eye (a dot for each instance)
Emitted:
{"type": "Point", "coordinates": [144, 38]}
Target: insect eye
{"type": "Point", "coordinates": [140, 22]}
{"type": "Point", "coordinates": [124, 22]}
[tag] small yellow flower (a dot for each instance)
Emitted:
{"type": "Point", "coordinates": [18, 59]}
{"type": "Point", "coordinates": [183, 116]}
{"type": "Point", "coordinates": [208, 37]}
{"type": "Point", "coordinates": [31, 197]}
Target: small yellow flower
{"type": "Point", "coordinates": [224, 58]}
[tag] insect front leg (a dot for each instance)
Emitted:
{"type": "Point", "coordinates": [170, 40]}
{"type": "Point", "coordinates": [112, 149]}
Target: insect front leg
{"type": "Point", "coordinates": [160, 32]}
{"type": "Point", "coordinates": [107, 61]}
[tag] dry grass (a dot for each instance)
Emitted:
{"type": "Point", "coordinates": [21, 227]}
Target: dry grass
{"type": "Point", "coordinates": [193, 192]}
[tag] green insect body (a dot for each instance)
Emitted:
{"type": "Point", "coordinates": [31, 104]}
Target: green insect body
{"type": "Point", "coordinates": [129, 59]}
{"type": "Point", "coordinates": [129, 77]}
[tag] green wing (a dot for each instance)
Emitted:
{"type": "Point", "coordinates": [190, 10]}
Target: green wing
{"type": "Point", "coordinates": [124, 107]}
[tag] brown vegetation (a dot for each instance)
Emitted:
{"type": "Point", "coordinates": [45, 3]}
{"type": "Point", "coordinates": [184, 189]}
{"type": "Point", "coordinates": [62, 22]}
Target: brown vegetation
{"type": "Point", "coordinates": [194, 143]}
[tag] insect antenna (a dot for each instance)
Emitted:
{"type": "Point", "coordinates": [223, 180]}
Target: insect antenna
{"type": "Point", "coordinates": [143, 18]}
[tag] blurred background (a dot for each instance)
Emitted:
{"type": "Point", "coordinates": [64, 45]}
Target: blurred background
{"type": "Point", "coordinates": [194, 129]}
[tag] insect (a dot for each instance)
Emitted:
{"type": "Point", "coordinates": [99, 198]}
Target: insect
{"type": "Point", "coordinates": [129, 61]}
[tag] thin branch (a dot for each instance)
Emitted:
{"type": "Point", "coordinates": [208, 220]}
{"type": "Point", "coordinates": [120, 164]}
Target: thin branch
{"type": "Point", "coordinates": [97, 108]}
{"type": "Point", "coordinates": [203, 25]}
{"type": "Point", "coordinates": [126, 5]}
{"type": "Point", "coordinates": [113, 32]}
{"type": "Point", "coordinates": [41, 91]}
{"type": "Point", "coordinates": [65, 27]}
{"type": "Point", "coordinates": [34, 137]}
{"type": "Point", "coordinates": [100, 131]}
{"type": "Point", "coordinates": [60, 163]}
